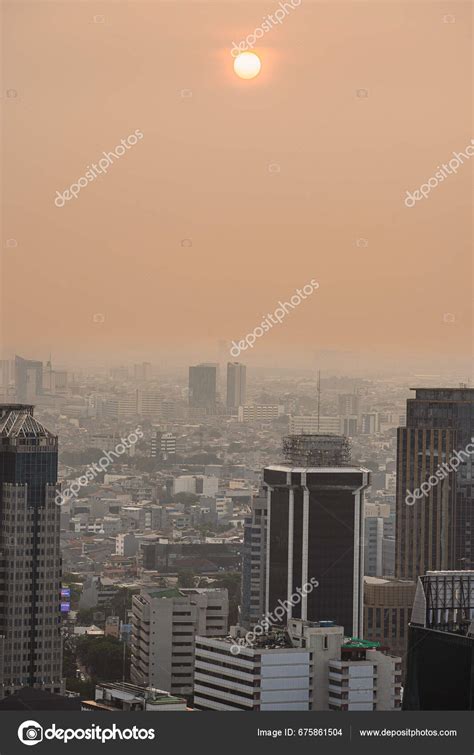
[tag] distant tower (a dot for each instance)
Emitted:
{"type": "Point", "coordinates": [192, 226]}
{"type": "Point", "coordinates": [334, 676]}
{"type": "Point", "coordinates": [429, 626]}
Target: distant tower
{"type": "Point", "coordinates": [28, 379]}
{"type": "Point", "coordinates": [30, 560]}
{"type": "Point", "coordinates": [315, 529]}
{"type": "Point", "coordinates": [236, 386]}
{"type": "Point", "coordinates": [203, 379]}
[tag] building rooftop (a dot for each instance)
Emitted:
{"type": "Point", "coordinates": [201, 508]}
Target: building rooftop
{"type": "Point", "coordinates": [17, 421]}
{"type": "Point", "coordinates": [357, 643]}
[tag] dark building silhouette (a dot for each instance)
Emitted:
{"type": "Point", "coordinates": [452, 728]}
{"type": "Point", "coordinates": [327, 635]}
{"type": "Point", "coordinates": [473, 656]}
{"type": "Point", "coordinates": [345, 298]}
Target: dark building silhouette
{"type": "Point", "coordinates": [440, 661]}
{"type": "Point", "coordinates": [203, 386]}
{"type": "Point", "coordinates": [30, 561]}
{"type": "Point", "coordinates": [315, 529]}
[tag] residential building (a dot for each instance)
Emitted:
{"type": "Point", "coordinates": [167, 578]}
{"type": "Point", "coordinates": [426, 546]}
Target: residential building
{"type": "Point", "coordinates": [259, 412]}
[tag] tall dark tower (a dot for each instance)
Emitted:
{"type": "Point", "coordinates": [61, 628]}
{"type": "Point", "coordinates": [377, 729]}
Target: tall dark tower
{"type": "Point", "coordinates": [203, 380]}
{"type": "Point", "coordinates": [315, 529]}
{"type": "Point", "coordinates": [30, 561]}
{"type": "Point", "coordinates": [436, 532]}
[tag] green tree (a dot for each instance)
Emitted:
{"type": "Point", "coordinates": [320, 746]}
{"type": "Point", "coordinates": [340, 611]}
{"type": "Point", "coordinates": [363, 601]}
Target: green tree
{"type": "Point", "coordinates": [103, 658]}
{"type": "Point", "coordinates": [186, 578]}
{"type": "Point", "coordinates": [232, 582]}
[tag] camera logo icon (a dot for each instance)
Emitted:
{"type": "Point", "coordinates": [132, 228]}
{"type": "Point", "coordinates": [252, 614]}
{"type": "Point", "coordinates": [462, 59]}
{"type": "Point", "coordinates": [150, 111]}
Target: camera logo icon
{"type": "Point", "coordinates": [30, 733]}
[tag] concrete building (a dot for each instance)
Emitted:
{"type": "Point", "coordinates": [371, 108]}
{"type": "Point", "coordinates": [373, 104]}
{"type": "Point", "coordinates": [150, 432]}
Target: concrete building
{"type": "Point", "coordinates": [259, 412]}
{"type": "Point", "coordinates": [308, 666]}
{"type": "Point", "coordinates": [364, 679]}
{"type": "Point", "coordinates": [165, 623]}
{"type": "Point", "coordinates": [252, 606]}
{"type": "Point", "coordinates": [348, 403]}
{"type": "Point", "coordinates": [313, 425]}
{"type": "Point", "coordinates": [30, 558]}
{"type": "Point", "coordinates": [126, 544]}
{"type": "Point", "coordinates": [131, 698]}
{"type": "Point", "coordinates": [197, 484]}
{"type": "Point", "coordinates": [236, 386]}
{"type": "Point", "coordinates": [272, 675]}
{"type": "Point", "coordinates": [96, 592]}
{"type": "Point", "coordinates": [370, 423]}
{"type": "Point", "coordinates": [28, 379]}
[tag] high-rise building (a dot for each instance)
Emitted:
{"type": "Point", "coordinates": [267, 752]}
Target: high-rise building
{"type": "Point", "coordinates": [370, 423]}
{"type": "Point", "coordinates": [253, 563]}
{"type": "Point", "coordinates": [28, 379]}
{"type": "Point", "coordinates": [440, 659]}
{"type": "Point", "coordinates": [436, 532]}
{"type": "Point", "coordinates": [30, 560]}
{"type": "Point", "coordinates": [236, 385]}
{"type": "Point", "coordinates": [164, 625]}
{"type": "Point", "coordinates": [203, 380]}
{"type": "Point", "coordinates": [348, 403]}
{"type": "Point", "coordinates": [142, 372]}
{"type": "Point", "coordinates": [315, 529]}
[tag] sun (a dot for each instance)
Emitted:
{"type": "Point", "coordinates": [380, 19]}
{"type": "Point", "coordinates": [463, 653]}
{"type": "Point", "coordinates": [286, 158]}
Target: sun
{"type": "Point", "coordinates": [247, 65]}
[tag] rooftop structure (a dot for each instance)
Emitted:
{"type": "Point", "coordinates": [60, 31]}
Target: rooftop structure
{"type": "Point", "coordinates": [308, 450]}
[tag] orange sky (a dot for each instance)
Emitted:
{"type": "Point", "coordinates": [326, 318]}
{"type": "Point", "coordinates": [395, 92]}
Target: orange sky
{"type": "Point", "coordinates": [201, 172]}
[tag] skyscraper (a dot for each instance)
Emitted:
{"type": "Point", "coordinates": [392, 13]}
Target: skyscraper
{"type": "Point", "coordinates": [315, 529]}
{"type": "Point", "coordinates": [203, 386]}
{"type": "Point", "coordinates": [28, 379]}
{"type": "Point", "coordinates": [253, 563]}
{"type": "Point", "coordinates": [435, 533]}
{"type": "Point", "coordinates": [30, 561]}
{"type": "Point", "coordinates": [236, 385]}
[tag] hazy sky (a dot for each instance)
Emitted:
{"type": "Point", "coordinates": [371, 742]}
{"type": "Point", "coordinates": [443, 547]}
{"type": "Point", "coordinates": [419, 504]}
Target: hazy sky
{"type": "Point", "coordinates": [240, 191]}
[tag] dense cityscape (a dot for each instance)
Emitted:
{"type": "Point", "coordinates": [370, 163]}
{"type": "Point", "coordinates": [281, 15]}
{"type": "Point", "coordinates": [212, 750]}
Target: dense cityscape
{"type": "Point", "coordinates": [234, 539]}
